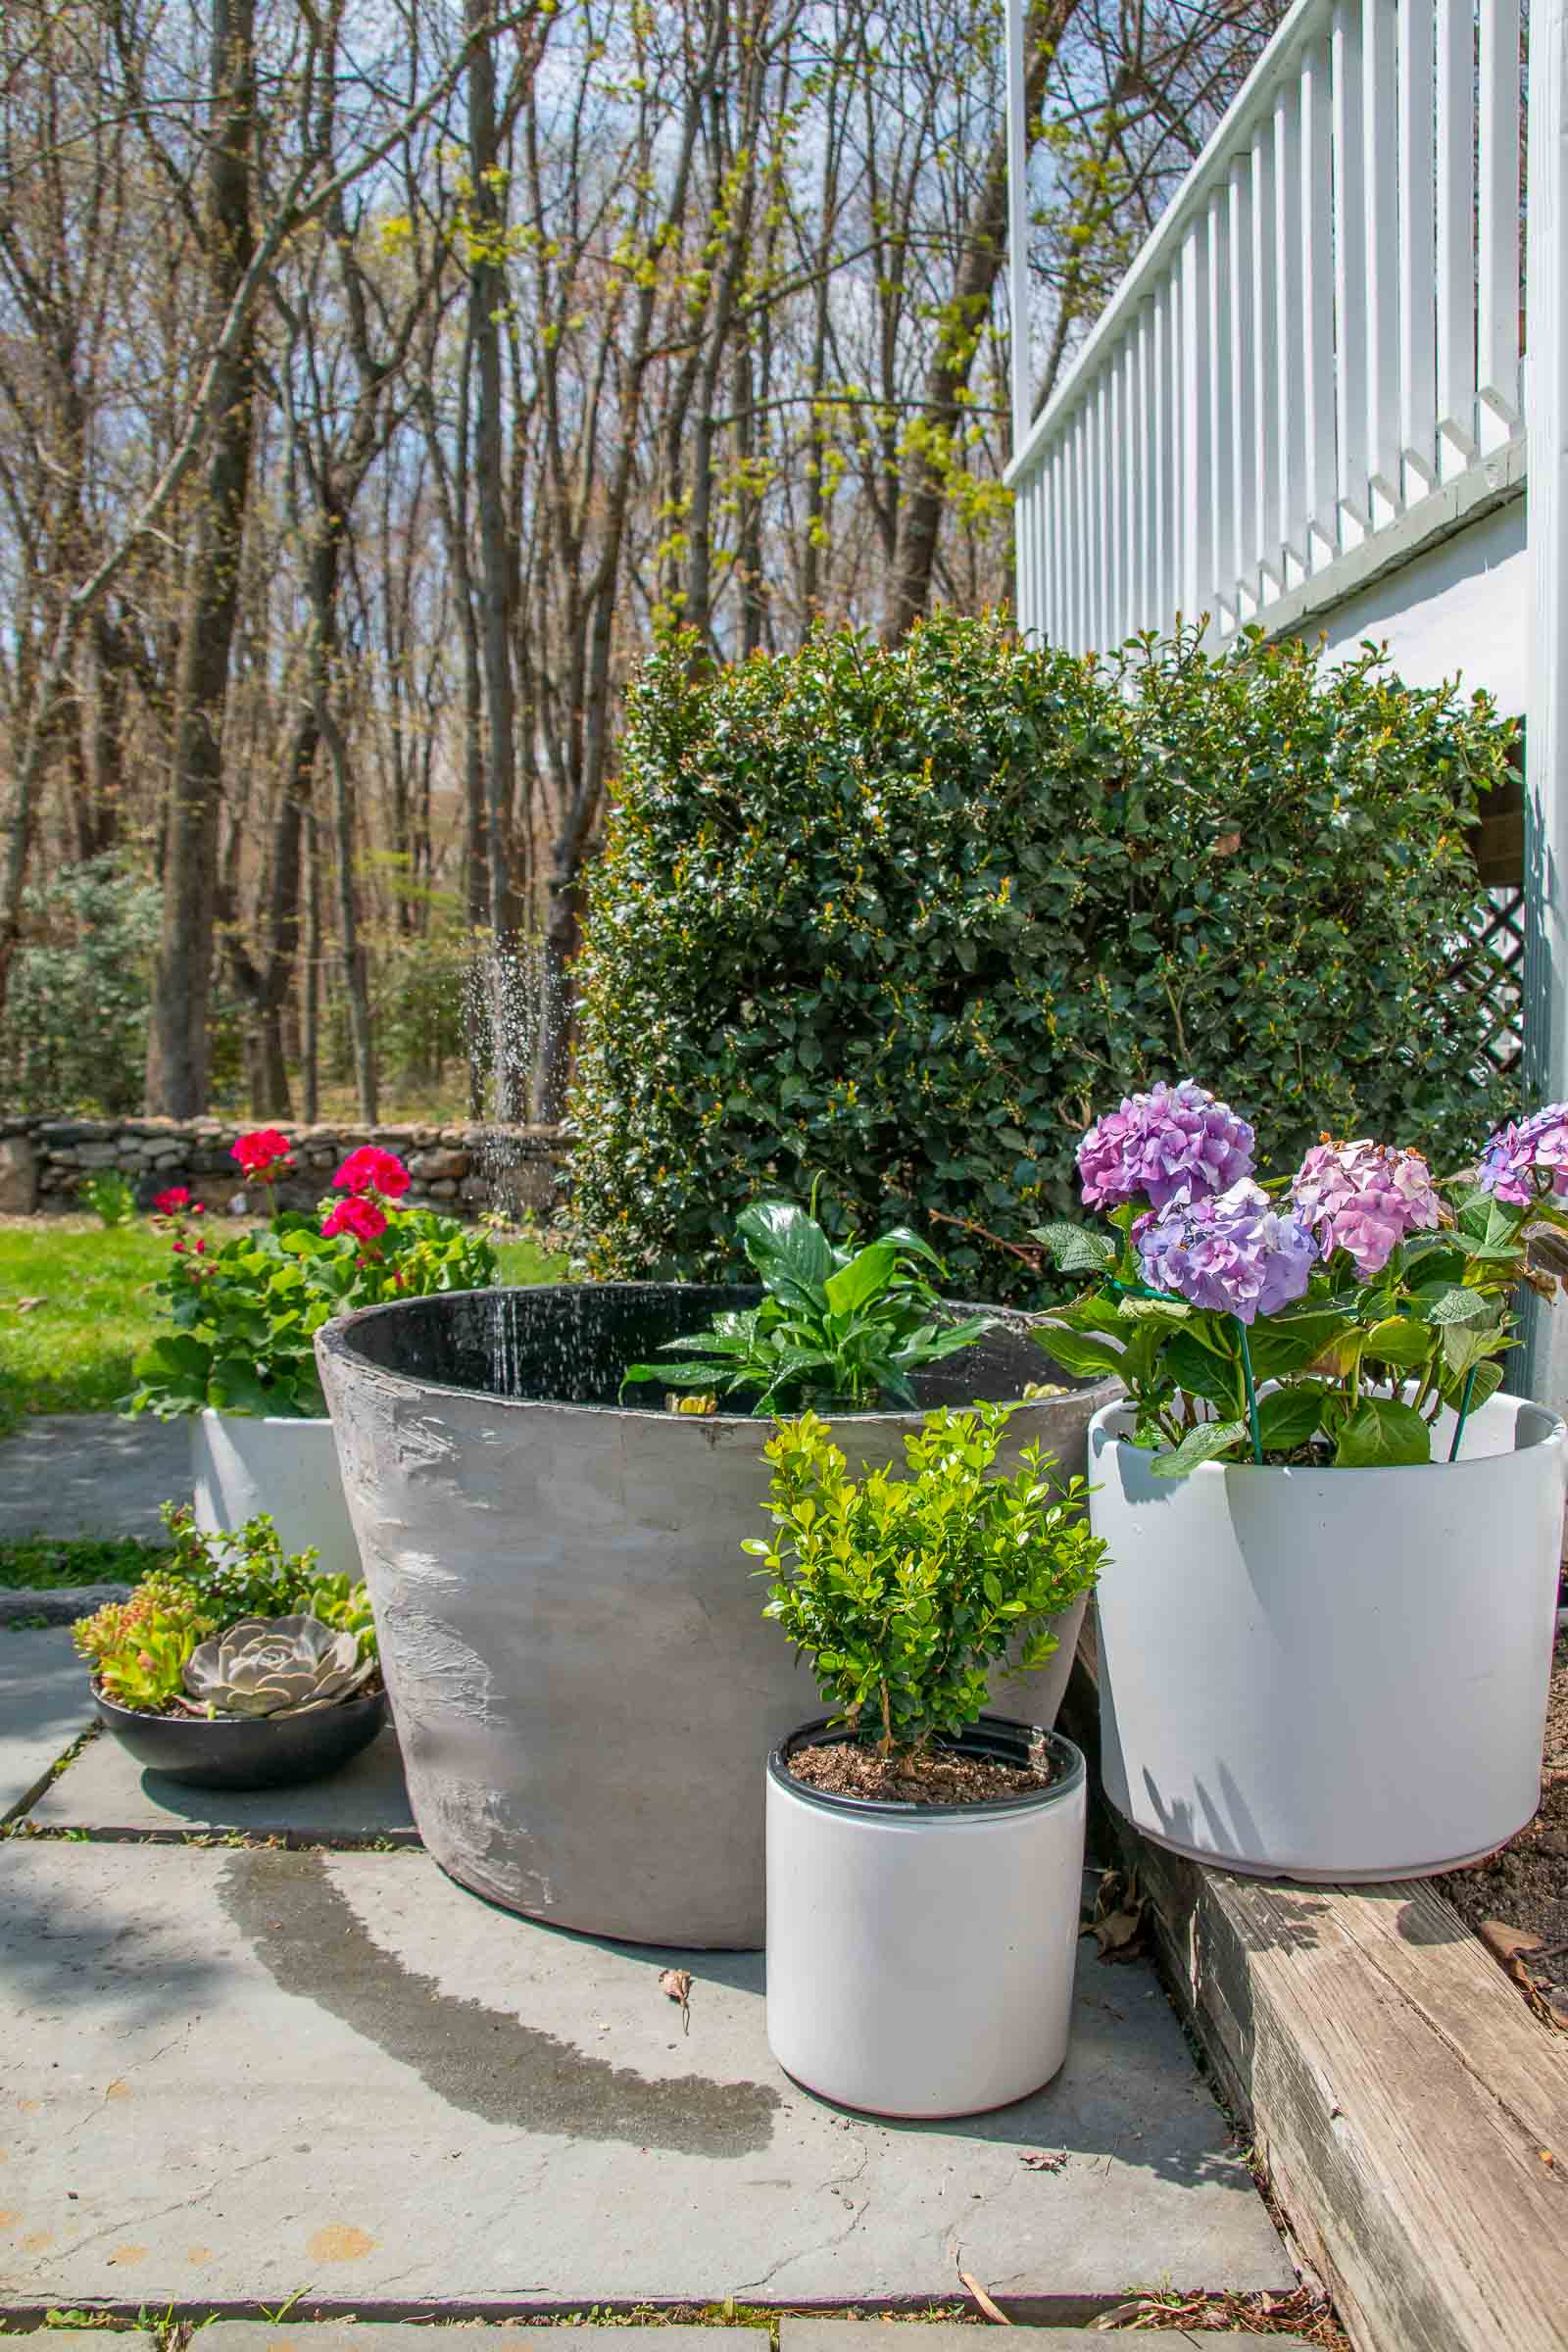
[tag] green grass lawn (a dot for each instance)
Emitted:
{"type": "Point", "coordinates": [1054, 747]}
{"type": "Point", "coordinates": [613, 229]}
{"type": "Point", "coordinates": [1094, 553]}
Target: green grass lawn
{"type": "Point", "coordinates": [77, 1301]}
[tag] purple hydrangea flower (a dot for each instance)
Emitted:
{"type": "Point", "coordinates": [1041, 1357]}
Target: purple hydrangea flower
{"type": "Point", "coordinates": [1364, 1198]}
{"type": "Point", "coordinates": [1175, 1139]}
{"type": "Point", "coordinates": [1515, 1151]}
{"type": "Point", "coordinates": [1233, 1255]}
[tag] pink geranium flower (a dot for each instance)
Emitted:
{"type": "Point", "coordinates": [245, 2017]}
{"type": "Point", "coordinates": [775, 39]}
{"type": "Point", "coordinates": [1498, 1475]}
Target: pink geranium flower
{"type": "Point", "coordinates": [170, 1204]}
{"type": "Point", "coordinates": [359, 1217]}
{"type": "Point", "coordinates": [370, 1170]}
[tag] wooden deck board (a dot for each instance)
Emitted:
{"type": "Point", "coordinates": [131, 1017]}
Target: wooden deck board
{"type": "Point", "coordinates": [1412, 2114]}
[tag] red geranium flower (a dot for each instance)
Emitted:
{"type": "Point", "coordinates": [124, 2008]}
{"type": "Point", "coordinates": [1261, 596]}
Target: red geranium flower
{"type": "Point", "coordinates": [262, 1150]}
{"type": "Point", "coordinates": [370, 1170]}
{"type": "Point", "coordinates": [168, 1203]}
{"type": "Point", "coordinates": [362, 1218]}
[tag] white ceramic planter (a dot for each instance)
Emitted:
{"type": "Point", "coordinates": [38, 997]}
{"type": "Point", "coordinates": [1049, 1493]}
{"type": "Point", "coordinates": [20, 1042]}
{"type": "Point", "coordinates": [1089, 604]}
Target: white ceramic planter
{"type": "Point", "coordinates": [1330, 1673]}
{"type": "Point", "coordinates": [921, 1958]}
{"type": "Point", "coordinates": [243, 1464]}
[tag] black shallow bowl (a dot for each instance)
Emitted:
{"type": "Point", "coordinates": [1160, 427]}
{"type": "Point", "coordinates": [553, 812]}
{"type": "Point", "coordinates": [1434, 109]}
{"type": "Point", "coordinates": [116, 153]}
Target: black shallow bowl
{"type": "Point", "coordinates": [268, 1751]}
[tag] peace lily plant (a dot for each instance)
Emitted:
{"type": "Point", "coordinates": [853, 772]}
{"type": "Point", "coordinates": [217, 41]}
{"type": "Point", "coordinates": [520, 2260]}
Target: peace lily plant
{"type": "Point", "coordinates": [1324, 1318]}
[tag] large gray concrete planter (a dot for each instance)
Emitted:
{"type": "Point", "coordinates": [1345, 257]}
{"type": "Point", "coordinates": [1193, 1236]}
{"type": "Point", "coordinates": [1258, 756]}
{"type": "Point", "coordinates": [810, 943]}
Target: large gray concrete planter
{"type": "Point", "coordinates": [582, 1680]}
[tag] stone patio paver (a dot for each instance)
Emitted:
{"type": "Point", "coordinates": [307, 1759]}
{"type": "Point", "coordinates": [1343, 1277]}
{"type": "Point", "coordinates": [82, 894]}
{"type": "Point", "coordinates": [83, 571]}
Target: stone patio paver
{"type": "Point", "coordinates": [81, 1475]}
{"type": "Point", "coordinates": [241, 2074]}
{"type": "Point", "coordinates": [952, 2336]}
{"type": "Point", "coordinates": [43, 1705]}
{"type": "Point", "coordinates": [105, 1790]}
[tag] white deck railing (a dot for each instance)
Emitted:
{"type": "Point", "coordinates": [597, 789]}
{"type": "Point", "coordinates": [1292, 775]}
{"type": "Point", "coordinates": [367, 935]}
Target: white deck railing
{"type": "Point", "coordinates": [1323, 330]}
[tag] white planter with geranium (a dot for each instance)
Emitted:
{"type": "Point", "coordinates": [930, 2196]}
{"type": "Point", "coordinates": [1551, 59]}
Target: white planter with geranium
{"type": "Point", "coordinates": [245, 1309]}
{"type": "Point", "coordinates": [1328, 1604]}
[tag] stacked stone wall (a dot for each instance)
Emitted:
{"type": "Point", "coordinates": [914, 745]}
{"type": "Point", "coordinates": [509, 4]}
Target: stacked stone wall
{"type": "Point", "coordinates": [44, 1163]}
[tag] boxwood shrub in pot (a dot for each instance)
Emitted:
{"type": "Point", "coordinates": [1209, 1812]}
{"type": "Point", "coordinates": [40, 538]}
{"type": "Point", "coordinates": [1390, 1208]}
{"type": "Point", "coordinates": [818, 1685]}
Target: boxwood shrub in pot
{"type": "Point", "coordinates": [892, 913]}
{"type": "Point", "coordinates": [923, 1860]}
{"type": "Point", "coordinates": [245, 1309]}
{"type": "Point", "coordinates": [1327, 1614]}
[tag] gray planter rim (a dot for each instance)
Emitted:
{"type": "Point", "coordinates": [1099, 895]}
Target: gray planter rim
{"type": "Point", "coordinates": [338, 1336]}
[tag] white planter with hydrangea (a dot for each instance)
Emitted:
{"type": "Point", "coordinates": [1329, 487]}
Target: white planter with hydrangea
{"type": "Point", "coordinates": [1327, 1611]}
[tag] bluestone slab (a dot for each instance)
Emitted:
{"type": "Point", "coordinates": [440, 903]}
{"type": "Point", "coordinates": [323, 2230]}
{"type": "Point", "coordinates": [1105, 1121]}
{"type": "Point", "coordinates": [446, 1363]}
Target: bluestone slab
{"type": "Point", "coordinates": [384, 2335]}
{"type": "Point", "coordinates": [942, 2335]}
{"type": "Point", "coordinates": [105, 1791]}
{"type": "Point", "coordinates": [43, 1705]}
{"type": "Point", "coordinates": [238, 2075]}
{"type": "Point", "coordinates": [82, 1475]}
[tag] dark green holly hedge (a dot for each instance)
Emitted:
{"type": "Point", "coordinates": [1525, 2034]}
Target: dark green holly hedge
{"type": "Point", "coordinates": [908, 918]}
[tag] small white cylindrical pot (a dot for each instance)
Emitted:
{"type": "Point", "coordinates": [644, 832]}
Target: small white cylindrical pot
{"type": "Point", "coordinates": [921, 1958]}
{"type": "Point", "coordinates": [1331, 1673]}
{"type": "Point", "coordinates": [242, 1463]}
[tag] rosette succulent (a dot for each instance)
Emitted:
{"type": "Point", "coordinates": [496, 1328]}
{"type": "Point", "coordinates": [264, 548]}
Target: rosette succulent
{"type": "Point", "coordinates": [275, 1666]}
{"type": "Point", "coordinates": [1175, 1140]}
{"type": "Point", "coordinates": [1364, 1198]}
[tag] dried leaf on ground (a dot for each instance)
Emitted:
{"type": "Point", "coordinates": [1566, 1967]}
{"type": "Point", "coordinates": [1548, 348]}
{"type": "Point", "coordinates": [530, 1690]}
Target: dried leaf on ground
{"type": "Point", "coordinates": [675, 1983]}
{"type": "Point", "coordinates": [1036, 2160]}
{"type": "Point", "coordinates": [1120, 1922]}
{"type": "Point", "coordinates": [1512, 1948]}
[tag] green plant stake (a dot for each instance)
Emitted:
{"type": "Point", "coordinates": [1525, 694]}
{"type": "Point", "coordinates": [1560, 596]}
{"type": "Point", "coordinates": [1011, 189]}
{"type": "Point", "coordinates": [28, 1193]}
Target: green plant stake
{"type": "Point", "coordinates": [1464, 1408]}
{"type": "Point", "coordinates": [1251, 1392]}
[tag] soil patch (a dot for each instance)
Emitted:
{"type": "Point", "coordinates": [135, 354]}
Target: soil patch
{"type": "Point", "coordinates": [943, 1776]}
{"type": "Point", "coordinates": [1525, 1884]}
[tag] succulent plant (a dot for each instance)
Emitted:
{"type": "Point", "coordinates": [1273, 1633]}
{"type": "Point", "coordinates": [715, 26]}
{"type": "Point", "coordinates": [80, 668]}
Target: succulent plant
{"type": "Point", "coordinates": [275, 1666]}
{"type": "Point", "coordinates": [137, 1648]}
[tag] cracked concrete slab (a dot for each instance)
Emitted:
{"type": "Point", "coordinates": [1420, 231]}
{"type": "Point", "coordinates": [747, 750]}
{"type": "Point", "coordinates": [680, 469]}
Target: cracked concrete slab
{"type": "Point", "coordinates": [250, 2074]}
{"type": "Point", "coordinates": [43, 1705]}
{"type": "Point", "coordinates": [82, 1475]}
{"type": "Point", "coordinates": [104, 1790]}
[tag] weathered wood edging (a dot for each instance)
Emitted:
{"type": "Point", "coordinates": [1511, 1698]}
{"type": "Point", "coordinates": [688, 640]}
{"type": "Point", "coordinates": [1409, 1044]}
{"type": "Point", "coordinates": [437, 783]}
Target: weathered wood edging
{"type": "Point", "coordinates": [1411, 2114]}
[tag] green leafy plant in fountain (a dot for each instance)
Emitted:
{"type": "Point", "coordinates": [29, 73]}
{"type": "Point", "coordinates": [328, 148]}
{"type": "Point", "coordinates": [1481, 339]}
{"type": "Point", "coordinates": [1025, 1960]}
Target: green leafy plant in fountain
{"type": "Point", "coordinates": [901, 1594]}
{"type": "Point", "coordinates": [111, 1197]}
{"type": "Point", "coordinates": [893, 913]}
{"type": "Point", "coordinates": [137, 1648]}
{"type": "Point", "coordinates": [244, 1572]}
{"type": "Point", "coordinates": [843, 1326]}
{"type": "Point", "coordinates": [245, 1311]}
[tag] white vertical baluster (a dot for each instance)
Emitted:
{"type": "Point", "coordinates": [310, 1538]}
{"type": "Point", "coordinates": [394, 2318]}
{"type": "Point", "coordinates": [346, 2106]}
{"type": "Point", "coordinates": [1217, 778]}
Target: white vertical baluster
{"type": "Point", "coordinates": [1418, 359]}
{"type": "Point", "coordinates": [1321, 485]}
{"type": "Point", "coordinates": [1161, 416]}
{"type": "Point", "coordinates": [1379, 119]}
{"type": "Point", "coordinates": [1027, 600]}
{"type": "Point", "coordinates": [1352, 170]}
{"type": "Point", "coordinates": [1240, 554]}
{"type": "Point", "coordinates": [1264, 559]}
{"type": "Point", "coordinates": [1456, 200]}
{"type": "Point", "coordinates": [1116, 495]}
{"type": "Point", "coordinates": [1021, 550]}
{"type": "Point", "coordinates": [1080, 518]}
{"type": "Point", "coordinates": [1193, 489]}
{"type": "Point", "coordinates": [1148, 601]}
{"type": "Point", "coordinates": [1290, 442]}
{"type": "Point", "coordinates": [1105, 507]}
{"type": "Point", "coordinates": [1546, 732]}
{"type": "Point", "coordinates": [1047, 585]}
{"type": "Point", "coordinates": [1059, 543]}
{"type": "Point", "coordinates": [1217, 334]}
{"type": "Point", "coordinates": [1497, 265]}
{"type": "Point", "coordinates": [1098, 523]}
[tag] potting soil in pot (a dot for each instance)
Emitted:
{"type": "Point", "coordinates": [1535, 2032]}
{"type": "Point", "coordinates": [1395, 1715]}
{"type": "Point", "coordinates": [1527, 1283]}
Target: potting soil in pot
{"type": "Point", "coordinates": [940, 1778]}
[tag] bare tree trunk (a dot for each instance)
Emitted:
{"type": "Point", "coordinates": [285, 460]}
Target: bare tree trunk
{"type": "Point", "coordinates": [178, 1032]}
{"type": "Point", "coordinates": [311, 1007]}
{"type": "Point", "coordinates": [979, 264]}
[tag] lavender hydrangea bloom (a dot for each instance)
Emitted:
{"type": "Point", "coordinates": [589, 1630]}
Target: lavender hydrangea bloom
{"type": "Point", "coordinates": [1515, 1151]}
{"type": "Point", "coordinates": [1233, 1255]}
{"type": "Point", "coordinates": [1173, 1140]}
{"type": "Point", "coordinates": [1363, 1198]}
